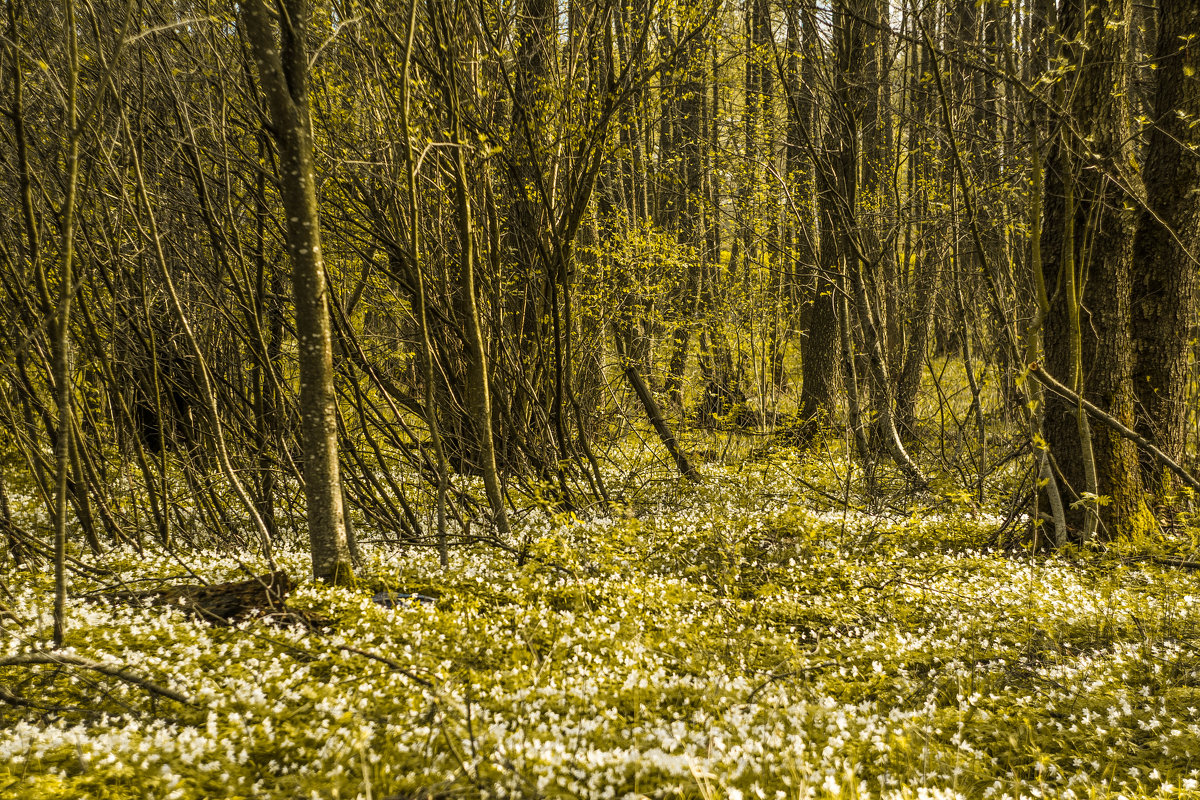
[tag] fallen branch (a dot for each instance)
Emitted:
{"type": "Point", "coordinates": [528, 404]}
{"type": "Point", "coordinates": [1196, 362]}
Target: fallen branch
{"type": "Point", "coordinates": [1175, 562]}
{"type": "Point", "coordinates": [782, 675]}
{"type": "Point", "coordinates": [63, 659]}
{"type": "Point", "coordinates": [221, 603]}
{"type": "Point", "coordinates": [391, 662]}
{"type": "Point", "coordinates": [15, 699]}
{"type": "Point", "coordinates": [653, 413]}
{"type": "Point", "coordinates": [8, 613]}
{"type": "Point", "coordinates": [1108, 419]}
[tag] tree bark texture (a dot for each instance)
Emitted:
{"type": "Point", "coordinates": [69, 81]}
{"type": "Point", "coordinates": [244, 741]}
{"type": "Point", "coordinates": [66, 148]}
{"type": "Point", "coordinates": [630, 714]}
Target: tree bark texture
{"type": "Point", "coordinates": [1167, 246]}
{"type": "Point", "coordinates": [837, 185]}
{"type": "Point", "coordinates": [1091, 151]}
{"type": "Point", "coordinates": [283, 75]}
{"type": "Point", "coordinates": [684, 215]}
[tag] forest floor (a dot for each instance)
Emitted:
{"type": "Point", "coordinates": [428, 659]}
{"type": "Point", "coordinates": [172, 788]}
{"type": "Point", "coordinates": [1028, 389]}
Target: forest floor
{"type": "Point", "coordinates": [752, 637]}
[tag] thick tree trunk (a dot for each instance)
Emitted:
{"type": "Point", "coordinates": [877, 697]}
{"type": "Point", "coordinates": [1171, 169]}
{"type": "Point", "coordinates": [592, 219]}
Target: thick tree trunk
{"type": "Point", "coordinates": [837, 187]}
{"type": "Point", "coordinates": [1167, 245]}
{"type": "Point", "coordinates": [1088, 230]}
{"type": "Point", "coordinates": [283, 75]}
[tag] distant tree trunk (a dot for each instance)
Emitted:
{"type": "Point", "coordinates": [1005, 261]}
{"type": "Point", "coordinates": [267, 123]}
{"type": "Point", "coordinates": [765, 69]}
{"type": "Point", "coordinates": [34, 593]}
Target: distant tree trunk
{"type": "Point", "coordinates": [283, 76]}
{"type": "Point", "coordinates": [800, 228]}
{"type": "Point", "coordinates": [685, 213]}
{"type": "Point", "coordinates": [922, 265]}
{"type": "Point", "coordinates": [666, 190]}
{"type": "Point", "coordinates": [531, 308]}
{"type": "Point", "coordinates": [875, 215]}
{"type": "Point", "coordinates": [876, 212]}
{"type": "Point", "coordinates": [269, 319]}
{"type": "Point", "coordinates": [1088, 230]}
{"type": "Point", "coordinates": [632, 124]}
{"type": "Point", "coordinates": [756, 90]}
{"type": "Point", "coordinates": [1167, 245]}
{"type": "Point", "coordinates": [837, 187]}
{"type": "Point", "coordinates": [428, 374]}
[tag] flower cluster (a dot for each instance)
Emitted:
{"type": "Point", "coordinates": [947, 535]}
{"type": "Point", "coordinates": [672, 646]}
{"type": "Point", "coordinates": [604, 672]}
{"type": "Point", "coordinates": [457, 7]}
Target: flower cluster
{"type": "Point", "coordinates": [723, 642]}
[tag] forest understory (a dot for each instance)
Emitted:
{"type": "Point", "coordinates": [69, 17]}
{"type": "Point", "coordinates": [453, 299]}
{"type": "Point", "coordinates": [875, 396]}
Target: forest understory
{"type": "Point", "coordinates": [775, 630]}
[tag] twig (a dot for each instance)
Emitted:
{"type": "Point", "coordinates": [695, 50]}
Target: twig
{"type": "Point", "coordinates": [1175, 562]}
{"type": "Point", "coordinates": [396, 665]}
{"type": "Point", "coordinates": [15, 700]}
{"type": "Point", "coordinates": [8, 613]}
{"type": "Point", "coordinates": [782, 675]}
{"type": "Point", "coordinates": [63, 659]}
{"type": "Point", "coordinates": [1103, 416]}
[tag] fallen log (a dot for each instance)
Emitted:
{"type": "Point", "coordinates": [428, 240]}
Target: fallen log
{"type": "Point", "coordinates": [223, 603]}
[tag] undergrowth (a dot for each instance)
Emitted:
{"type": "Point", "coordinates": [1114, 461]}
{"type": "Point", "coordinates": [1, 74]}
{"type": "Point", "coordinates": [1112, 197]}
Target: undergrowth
{"type": "Point", "coordinates": [749, 638]}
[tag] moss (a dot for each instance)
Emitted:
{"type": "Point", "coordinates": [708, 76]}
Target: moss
{"type": "Point", "coordinates": [342, 575]}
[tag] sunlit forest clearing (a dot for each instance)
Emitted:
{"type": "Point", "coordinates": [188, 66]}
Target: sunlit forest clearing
{"type": "Point", "coordinates": [721, 400]}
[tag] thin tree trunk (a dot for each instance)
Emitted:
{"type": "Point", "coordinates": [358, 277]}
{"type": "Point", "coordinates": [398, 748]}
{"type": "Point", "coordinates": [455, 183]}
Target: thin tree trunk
{"type": "Point", "coordinates": [62, 333]}
{"type": "Point", "coordinates": [418, 274]}
{"type": "Point", "coordinates": [650, 405]}
{"type": "Point", "coordinates": [478, 385]}
{"type": "Point", "coordinates": [283, 75]}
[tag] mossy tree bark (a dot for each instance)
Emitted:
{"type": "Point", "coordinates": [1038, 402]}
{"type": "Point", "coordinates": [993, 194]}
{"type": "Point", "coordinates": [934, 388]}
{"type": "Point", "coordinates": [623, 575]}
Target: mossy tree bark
{"type": "Point", "coordinates": [1090, 176]}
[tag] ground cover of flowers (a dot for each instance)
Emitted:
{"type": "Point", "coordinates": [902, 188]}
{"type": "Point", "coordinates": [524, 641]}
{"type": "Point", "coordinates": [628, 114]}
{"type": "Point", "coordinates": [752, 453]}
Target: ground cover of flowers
{"type": "Point", "coordinates": [741, 640]}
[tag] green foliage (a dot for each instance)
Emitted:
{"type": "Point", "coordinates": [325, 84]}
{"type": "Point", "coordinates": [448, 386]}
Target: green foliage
{"type": "Point", "coordinates": [737, 639]}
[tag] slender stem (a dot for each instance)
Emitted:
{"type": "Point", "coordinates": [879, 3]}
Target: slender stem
{"type": "Point", "coordinates": [1074, 300]}
{"type": "Point", "coordinates": [210, 398]}
{"type": "Point", "coordinates": [62, 332]}
{"type": "Point", "coordinates": [435, 436]}
{"type": "Point", "coordinates": [481, 401]}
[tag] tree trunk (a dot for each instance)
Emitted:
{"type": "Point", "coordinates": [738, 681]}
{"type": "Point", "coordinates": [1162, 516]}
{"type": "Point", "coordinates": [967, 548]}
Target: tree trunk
{"type": "Point", "coordinates": [650, 405]}
{"type": "Point", "coordinates": [837, 187]}
{"type": "Point", "coordinates": [61, 344]}
{"type": "Point", "coordinates": [685, 214]}
{"type": "Point", "coordinates": [1167, 244]}
{"type": "Point", "coordinates": [478, 380]}
{"type": "Point", "coordinates": [1088, 230]}
{"type": "Point", "coordinates": [283, 76]}
{"type": "Point", "coordinates": [799, 228]}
